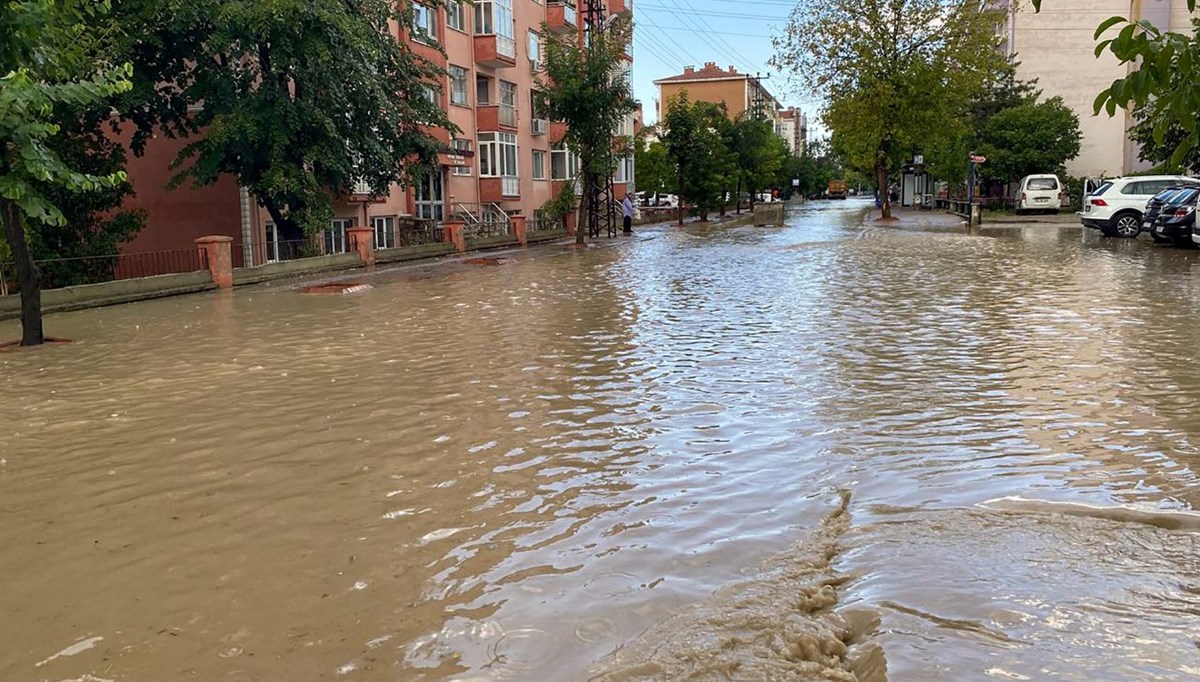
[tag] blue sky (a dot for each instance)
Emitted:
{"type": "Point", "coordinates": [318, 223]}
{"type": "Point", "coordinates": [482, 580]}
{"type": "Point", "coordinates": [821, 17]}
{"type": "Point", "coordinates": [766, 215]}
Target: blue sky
{"type": "Point", "coordinates": [671, 34]}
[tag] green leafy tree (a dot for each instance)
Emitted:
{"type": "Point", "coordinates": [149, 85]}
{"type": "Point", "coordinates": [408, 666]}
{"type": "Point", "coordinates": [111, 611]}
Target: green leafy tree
{"type": "Point", "coordinates": [48, 62]}
{"type": "Point", "coordinates": [697, 149]}
{"type": "Point", "coordinates": [898, 76]}
{"type": "Point", "coordinates": [584, 86]}
{"type": "Point", "coordinates": [1029, 138]}
{"type": "Point", "coordinates": [298, 99]}
{"type": "Point", "coordinates": [655, 171]}
{"type": "Point", "coordinates": [1162, 70]}
{"type": "Point", "coordinates": [758, 153]}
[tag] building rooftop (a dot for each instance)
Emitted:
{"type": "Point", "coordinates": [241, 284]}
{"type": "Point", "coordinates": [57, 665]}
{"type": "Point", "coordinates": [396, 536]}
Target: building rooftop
{"type": "Point", "coordinates": [710, 72]}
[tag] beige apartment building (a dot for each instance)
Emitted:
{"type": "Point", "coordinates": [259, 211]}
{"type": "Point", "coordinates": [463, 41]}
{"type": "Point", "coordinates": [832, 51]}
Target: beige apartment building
{"type": "Point", "coordinates": [1056, 47]}
{"type": "Point", "coordinates": [740, 92]}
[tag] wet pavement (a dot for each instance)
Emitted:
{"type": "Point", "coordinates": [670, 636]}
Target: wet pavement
{"type": "Point", "coordinates": [826, 451]}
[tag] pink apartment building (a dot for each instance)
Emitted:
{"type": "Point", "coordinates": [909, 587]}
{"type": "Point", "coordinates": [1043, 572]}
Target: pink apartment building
{"type": "Point", "coordinates": [504, 161]}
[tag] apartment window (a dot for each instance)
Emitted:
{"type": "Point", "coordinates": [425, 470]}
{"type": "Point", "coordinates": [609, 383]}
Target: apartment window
{"type": "Point", "coordinates": [494, 17]}
{"type": "Point", "coordinates": [385, 231]}
{"type": "Point", "coordinates": [456, 17]}
{"type": "Point", "coordinates": [272, 243]}
{"type": "Point", "coordinates": [431, 93]}
{"type": "Point", "coordinates": [624, 172]}
{"type": "Point", "coordinates": [429, 197]}
{"type": "Point", "coordinates": [539, 164]}
{"type": "Point", "coordinates": [508, 103]}
{"type": "Point", "coordinates": [497, 155]}
{"type": "Point", "coordinates": [458, 86]}
{"type": "Point", "coordinates": [564, 164]}
{"type": "Point", "coordinates": [461, 146]}
{"type": "Point", "coordinates": [335, 237]}
{"type": "Point", "coordinates": [424, 23]}
{"type": "Point", "coordinates": [483, 90]}
{"type": "Point", "coordinates": [535, 49]}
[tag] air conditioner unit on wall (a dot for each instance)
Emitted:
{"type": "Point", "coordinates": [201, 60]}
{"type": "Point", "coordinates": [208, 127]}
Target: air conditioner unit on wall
{"type": "Point", "coordinates": [539, 126]}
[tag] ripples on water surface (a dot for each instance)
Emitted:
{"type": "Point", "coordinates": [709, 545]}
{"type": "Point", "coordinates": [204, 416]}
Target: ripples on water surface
{"type": "Point", "coordinates": [725, 453]}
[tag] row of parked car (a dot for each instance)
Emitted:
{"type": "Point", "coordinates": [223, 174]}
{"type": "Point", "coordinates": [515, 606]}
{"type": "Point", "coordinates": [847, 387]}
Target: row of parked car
{"type": "Point", "coordinates": [1163, 205]}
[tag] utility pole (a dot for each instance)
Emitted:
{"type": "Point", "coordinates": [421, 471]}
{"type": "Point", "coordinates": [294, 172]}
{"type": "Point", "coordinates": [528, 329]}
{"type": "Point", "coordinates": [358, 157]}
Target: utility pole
{"type": "Point", "coordinates": [598, 191]}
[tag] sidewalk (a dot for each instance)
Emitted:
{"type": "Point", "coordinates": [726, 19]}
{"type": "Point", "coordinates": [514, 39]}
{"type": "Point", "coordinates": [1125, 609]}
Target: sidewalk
{"type": "Point", "coordinates": [913, 218]}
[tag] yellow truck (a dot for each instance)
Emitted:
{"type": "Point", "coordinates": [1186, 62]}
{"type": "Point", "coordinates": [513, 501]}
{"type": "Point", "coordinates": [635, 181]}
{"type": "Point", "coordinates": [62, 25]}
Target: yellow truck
{"type": "Point", "coordinates": [836, 189]}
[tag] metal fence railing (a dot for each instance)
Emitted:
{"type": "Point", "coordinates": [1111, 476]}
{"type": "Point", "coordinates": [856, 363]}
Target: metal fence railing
{"type": "Point", "coordinates": [418, 232]}
{"type": "Point", "coordinates": [55, 273]}
{"type": "Point", "coordinates": [539, 222]}
{"type": "Point", "coordinates": [250, 254]}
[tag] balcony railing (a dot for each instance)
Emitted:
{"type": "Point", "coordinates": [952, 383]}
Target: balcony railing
{"type": "Point", "coordinates": [510, 187]}
{"type": "Point", "coordinates": [506, 46]}
{"type": "Point", "coordinates": [508, 115]}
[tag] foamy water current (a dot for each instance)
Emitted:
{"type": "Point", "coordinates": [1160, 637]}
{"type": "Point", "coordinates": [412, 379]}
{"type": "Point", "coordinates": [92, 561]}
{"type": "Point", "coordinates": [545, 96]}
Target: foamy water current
{"type": "Point", "coordinates": [816, 452]}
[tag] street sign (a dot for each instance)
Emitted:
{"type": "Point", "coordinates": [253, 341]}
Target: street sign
{"type": "Point", "coordinates": [978, 159]}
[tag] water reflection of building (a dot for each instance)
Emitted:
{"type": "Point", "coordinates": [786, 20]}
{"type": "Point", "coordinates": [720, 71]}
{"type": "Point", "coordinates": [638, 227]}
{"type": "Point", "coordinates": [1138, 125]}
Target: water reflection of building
{"type": "Point", "coordinates": [506, 156]}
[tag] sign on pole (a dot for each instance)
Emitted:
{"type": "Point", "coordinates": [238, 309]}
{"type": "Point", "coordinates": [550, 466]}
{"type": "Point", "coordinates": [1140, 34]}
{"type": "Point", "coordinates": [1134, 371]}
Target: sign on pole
{"type": "Point", "coordinates": [978, 159]}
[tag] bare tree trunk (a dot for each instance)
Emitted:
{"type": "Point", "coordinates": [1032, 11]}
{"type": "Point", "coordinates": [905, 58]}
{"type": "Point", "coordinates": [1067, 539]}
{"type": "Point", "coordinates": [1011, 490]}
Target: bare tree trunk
{"type": "Point", "coordinates": [881, 183]}
{"type": "Point", "coordinates": [679, 200]}
{"type": "Point", "coordinates": [27, 274]}
{"type": "Point", "coordinates": [737, 197]}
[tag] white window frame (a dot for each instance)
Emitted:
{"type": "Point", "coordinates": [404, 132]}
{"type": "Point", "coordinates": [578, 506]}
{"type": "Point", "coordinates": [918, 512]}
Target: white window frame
{"type": "Point", "coordinates": [270, 243]}
{"type": "Point", "coordinates": [424, 26]}
{"type": "Point", "coordinates": [334, 239]}
{"type": "Point", "coordinates": [562, 158]}
{"type": "Point", "coordinates": [508, 102]}
{"type": "Point", "coordinates": [498, 153]}
{"type": "Point", "coordinates": [429, 196]}
{"type": "Point", "coordinates": [460, 145]}
{"type": "Point", "coordinates": [385, 231]}
{"type": "Point", "coordinates": [535, 49]}
{"type": "Point", "coordinates": [539, 164]}
{"type": "Point", "coordinates": [465, 82]}
{"type": "Point", "coordinates": [456, 16]}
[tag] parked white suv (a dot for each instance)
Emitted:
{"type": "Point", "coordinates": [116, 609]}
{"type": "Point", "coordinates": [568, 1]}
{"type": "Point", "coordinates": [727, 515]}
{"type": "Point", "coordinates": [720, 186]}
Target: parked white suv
{"type": "Point", "coordinates": [1116, 207]}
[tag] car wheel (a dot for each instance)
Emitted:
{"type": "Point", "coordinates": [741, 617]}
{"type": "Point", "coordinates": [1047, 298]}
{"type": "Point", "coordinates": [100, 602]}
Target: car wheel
{"type": "Point", "coordinates": [1127, 225]}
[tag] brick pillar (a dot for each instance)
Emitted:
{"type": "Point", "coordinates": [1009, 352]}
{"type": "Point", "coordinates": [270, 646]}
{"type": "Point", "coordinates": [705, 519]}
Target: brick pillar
{"type": "Point", "coordinates": [454, 234]}
{"type": "Point", "coordinates": [217, 251]}
{"type": "Point", "coordinates": [520, 229]}
{"type": "Point", "coordinates": [362, 240]}
{"type": "Point", "coordinates": [569, 222]}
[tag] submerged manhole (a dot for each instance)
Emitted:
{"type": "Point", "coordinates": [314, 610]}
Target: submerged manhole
{"type": "Point", "coordinates": [336, 288]}
{"type": "Point", "coordinates": [490, 260]}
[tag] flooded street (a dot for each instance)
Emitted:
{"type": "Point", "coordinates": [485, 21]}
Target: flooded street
{"type": "Point", "coordinates": [817, 452]}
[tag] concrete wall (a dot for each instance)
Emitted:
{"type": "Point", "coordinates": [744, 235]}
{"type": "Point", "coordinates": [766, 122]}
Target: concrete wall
{"type": "Point", "coordinates": [1056, 47]}
{"type": "Point", "coordinates": [112, 293]}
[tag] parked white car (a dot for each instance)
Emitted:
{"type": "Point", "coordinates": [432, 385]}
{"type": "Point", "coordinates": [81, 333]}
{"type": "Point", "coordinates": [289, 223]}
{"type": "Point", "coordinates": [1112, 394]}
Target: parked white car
{"type": "Point", "coordinates": [1039, 193]}
{"type": "Point", "coordinates": [1116, 207]}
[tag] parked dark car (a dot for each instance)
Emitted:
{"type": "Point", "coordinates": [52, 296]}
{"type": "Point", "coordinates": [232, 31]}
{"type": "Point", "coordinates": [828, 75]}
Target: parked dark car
{"type": "Point", "coordinates": [1154, 208]}
{"type": "Point", "coordinates": [1177, 218]}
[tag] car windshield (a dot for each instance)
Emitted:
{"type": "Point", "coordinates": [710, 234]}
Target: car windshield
{"type": "Point", "coordinates": [1185, 196]}
{"type": "Point", "coordinates": [1101, 189]}
{"type": "Point", "coordinates": [1165, 195]}
{"type": "Point", "coordinates": [1042, 184]}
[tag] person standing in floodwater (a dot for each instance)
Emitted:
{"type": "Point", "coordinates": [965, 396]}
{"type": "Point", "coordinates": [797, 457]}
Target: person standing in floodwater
{"type": "Point", "coordinates": [627, 215]}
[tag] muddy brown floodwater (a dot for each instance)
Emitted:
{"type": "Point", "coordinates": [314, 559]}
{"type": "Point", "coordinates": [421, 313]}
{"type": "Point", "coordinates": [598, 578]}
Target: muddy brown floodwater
{"type": "Point", "coordinates": [820, 452]}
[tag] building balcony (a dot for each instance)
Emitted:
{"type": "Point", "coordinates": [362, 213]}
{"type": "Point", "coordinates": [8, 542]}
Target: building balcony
{"type": "Point", "coordinates": [496, 190]}
{"type": "Point", "coordinates": [493, 117]}
{"type": "Point", "coordinates": [562, 18]}
{"type": "Point", "coordinates": [496, 51]}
